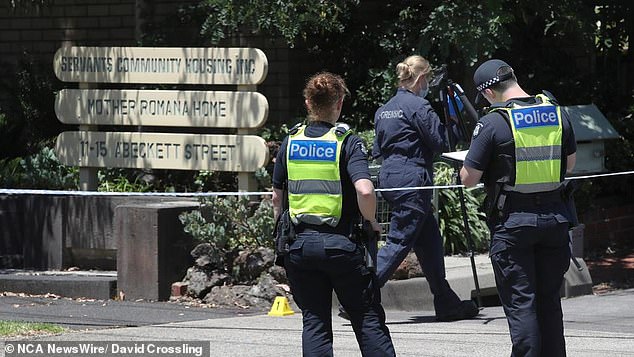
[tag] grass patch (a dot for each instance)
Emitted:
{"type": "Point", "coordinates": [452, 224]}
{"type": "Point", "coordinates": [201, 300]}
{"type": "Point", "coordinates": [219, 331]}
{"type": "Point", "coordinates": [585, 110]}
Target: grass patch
{"type": "Point", "coordinates": [20, 328]}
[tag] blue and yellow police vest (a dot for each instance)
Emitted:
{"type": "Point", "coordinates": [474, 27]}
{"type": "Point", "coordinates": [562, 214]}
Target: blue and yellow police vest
{"type": "Point", "coordinates": [537, 132]}
{"type": "Point", "coordinates": [314, 181]}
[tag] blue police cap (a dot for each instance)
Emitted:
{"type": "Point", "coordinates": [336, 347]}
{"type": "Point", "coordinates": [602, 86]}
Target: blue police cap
{"type": "Point", "coordinates": [488, 74]}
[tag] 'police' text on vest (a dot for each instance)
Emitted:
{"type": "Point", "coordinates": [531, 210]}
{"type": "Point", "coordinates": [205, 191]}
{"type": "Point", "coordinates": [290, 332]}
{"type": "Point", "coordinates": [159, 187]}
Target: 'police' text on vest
{"type": "Point", "coordinates": [535, 117]}
{"type": "Point", "coordinates": [313, 150]}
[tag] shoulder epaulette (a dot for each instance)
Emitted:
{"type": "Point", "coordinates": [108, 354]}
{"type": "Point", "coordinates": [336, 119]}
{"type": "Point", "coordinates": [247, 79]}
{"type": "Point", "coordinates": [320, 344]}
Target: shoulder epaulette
{"type": "Point", "coordinates": [550, 97]}
{"type": "Point", "coordinates": [341, 128]}
{"type": "Point", "coordinates": [295, 128]}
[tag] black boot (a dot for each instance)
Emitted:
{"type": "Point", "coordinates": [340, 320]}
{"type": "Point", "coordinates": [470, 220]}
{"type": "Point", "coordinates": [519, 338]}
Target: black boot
{"type": "Point", "coordinates": [466, 309]}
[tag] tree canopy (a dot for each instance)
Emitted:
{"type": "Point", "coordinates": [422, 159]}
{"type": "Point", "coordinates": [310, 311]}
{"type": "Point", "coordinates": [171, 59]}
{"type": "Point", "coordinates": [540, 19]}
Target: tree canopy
{"type": "Point", "coordinates": [554, 45]}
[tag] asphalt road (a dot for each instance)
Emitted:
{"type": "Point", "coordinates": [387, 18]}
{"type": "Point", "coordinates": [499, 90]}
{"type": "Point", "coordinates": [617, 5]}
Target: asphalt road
{"type": "Point", "coordinates": [595, 325]}
{"type": "Point", "coordinates": [94, 314]}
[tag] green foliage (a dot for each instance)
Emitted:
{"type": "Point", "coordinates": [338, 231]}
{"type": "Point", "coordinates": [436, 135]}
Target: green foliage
{"type": "Point", "coordinates": [368, 138]}
{"type": "Point", "coordinates": [464, 32]}
{"type": "Point", "coordinates": [273, 132]}
{"type": "Point", "coordinates": [262, 176]}
{"type": "Point", "coordinates": [374, 92]}
{"type": "Point", "coordinates": [450, 214]}
{"type": "Point", "coordinates": [291, 20]}
{"type": "Point", "coordinates": [136, 180]}
{"type": "Point", "coordinates": [114, 180]}
{"type": "Point", "coordinates": [612, 31]}
{"type": "Point", "coordinates": [231, 223]}
{"type": "Point", "coordinates": [39, 171]}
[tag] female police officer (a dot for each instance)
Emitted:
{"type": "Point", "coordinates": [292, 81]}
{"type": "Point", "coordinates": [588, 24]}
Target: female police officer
{"type": "Point", "coordinates": [325, 170]}
{"type": "Point", "coordinates": [407, 135]}
{"type": "Point", "coordinates": [524, 147]}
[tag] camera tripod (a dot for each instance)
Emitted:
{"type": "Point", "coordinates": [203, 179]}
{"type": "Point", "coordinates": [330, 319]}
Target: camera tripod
{"type": "Point", "coordinates": [451, 95]}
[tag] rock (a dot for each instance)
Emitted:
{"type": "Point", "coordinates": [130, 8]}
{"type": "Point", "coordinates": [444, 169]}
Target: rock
{"type": "Point", "coordinates": [250, 264]}
{"type": "Point", "coordinates": [228, 296]}
{"type": "Point", "coordinates": [255, 281]}
{"type": "Point", "coordinates": [201, 281]}
{"type": "Point", "coordinates": [279, 274]}
{"type": "Point", "coordinates": [259, 296]}
{"type": "Point", "coordinates": [208, 256]}
{"type": "Point", "coordinates": [266, 288]}
{"type": "Point", "coordinates": [409, 268]}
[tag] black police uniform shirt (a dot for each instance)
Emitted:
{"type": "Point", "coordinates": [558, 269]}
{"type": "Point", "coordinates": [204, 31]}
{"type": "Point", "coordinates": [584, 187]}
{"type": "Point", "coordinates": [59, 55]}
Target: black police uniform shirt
{"type": "Point", "coordinates": [353, 166]}
{"type": "Point", "coordinates": [408, 127]}
{"type": "Point", "coordinates": [492, 138]}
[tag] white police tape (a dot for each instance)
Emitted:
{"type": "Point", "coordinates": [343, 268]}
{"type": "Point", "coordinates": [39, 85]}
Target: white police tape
{"type": "Point", "coordinates": [423, 188]}
{"type": "Point", "coordinates": [99, 193]}
{"type": "Point", "coordinates": [6, 191]}
{"type": "Point", "coordinates": [601, 175]}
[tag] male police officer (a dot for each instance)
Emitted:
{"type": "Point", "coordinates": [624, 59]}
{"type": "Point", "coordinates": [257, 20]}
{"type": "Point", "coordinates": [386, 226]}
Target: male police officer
{"type": "Point", "coordinates": [522, 149]}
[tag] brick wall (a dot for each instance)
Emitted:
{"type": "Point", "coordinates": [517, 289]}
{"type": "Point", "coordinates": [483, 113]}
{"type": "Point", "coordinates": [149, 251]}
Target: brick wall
{"type": "Point", "coordinates": [41, 31]}
{"type": "Point", "coordinates": [608, 227]}
{"type": "Point", "coordinates": [67, 22]}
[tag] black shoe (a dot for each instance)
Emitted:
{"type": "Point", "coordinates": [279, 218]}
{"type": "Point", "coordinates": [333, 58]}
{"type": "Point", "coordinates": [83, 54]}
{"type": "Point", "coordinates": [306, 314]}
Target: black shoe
{"type": "Point", "coordinates": [465, 310]}
{"type": "Point", "coordinates": [343, 314]}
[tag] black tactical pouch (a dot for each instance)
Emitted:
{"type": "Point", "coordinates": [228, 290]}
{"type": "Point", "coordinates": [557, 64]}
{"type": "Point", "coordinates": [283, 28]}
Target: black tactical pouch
{"type": "Point", "coordinates": [284, 236]}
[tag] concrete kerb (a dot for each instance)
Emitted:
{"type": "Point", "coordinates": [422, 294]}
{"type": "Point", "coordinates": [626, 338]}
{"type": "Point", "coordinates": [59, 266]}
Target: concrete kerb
{"type": "Point", "coordinates": [100, 285]}
{"type": "Point", "coordinates": [414, 294]}
{"type": "Point", "coordinates": [397, 295]}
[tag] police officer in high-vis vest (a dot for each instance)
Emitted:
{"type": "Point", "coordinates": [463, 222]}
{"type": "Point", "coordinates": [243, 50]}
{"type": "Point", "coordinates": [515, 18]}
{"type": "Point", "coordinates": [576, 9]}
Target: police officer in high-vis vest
{"type": "Point", "coordinates": [522, 150]}
{"type": "Point", "coordinates": [323, 168]}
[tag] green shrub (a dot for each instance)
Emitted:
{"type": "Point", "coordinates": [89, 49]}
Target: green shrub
{"type": "Point", "coordinates": [231, 223]}
{"type": "Point", "coordinates": [127, 180]}
{"type": "Point", "coordinates": [39, 171]}
{"type": "Point", "coordinates": [450, 213]}
{"type": "Point", "coordinates": [368, 138]}
{"type": "Point", "coordinates": [10, 172]}
{"type": "Point", "coordinates": [122, 184]}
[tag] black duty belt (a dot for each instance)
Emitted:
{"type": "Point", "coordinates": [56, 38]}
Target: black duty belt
{"type": "Point", "coordinates": [521, 200]}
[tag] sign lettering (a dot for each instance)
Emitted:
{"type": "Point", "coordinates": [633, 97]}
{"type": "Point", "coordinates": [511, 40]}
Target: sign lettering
{"type": "Point", "coordinates": [162, 108]}
{"type": "Point", "coordinates": [239, 153]}
{"type": "Point", "coordinates": [160, 65]}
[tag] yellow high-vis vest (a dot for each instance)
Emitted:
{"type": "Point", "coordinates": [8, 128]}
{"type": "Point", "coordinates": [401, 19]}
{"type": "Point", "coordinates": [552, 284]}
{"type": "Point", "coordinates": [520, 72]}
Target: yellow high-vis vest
{"type": "Point", "coordinates": [314, 182]}
{"type": "Point", "coordinates": [537, 131]}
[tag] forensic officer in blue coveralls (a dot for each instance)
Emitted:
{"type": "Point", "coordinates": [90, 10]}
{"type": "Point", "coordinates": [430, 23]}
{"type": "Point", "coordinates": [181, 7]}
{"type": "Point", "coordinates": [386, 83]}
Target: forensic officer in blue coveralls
{"type": "Point", "coordinates": [522, 149]}
{"type": "Point", "coordinates": [324, 168]}
{"type": "Point", "coordinates": [407, 135]}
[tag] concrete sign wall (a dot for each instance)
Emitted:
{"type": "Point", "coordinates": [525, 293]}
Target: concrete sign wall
{"type": "Point", "coordinates": [160, 65]}
{"type": "Point", "coordinates": [238, 153]}
{"type": "Point", "coordinates": [162, 108]}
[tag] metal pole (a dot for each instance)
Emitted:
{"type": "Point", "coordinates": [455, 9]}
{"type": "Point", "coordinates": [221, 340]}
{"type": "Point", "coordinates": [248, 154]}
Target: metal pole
{"type": "Point", "coordinates": [467, 230]}
{"type": "Point", "coordinates": [463, 205]}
